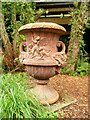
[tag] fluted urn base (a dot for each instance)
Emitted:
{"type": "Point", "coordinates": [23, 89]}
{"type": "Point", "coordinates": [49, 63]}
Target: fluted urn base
{"type": "Point", "coordinates": [45, 94]}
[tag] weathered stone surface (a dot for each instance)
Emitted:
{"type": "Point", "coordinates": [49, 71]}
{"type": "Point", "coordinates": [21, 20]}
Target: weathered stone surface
{"type": "Point", "coordinates": [40, 55]}
{"type": "Point", "coordinates": [45, 25]}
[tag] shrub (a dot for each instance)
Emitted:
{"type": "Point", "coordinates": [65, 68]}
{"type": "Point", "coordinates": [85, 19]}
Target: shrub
{"type": "Point", "coordinates": [16, 102]}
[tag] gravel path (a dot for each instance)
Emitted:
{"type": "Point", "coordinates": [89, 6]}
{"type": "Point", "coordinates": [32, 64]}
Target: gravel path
{"type": "Point", "coordinates": [76, 87]}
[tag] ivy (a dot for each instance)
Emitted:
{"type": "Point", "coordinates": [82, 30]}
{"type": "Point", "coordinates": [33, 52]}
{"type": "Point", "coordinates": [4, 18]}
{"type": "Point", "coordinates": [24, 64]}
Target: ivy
{"type": "Point", "coordinates": [79, 19]}
{"type": "Point", "coordinates": [76, 45]}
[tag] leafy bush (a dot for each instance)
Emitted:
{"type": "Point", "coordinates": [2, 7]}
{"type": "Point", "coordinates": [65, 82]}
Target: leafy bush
{"type": "Point", "coordinates": [82, 68]}
{"type": "Point", "coordinates": [17, 102]}
{"type": "Point", "coordinates": [68, 71]}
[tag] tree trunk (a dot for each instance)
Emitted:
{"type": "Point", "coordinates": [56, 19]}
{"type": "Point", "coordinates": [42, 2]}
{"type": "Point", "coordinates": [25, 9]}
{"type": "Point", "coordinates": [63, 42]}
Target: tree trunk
{"type": "Point", "coordinates": [8, 52]}
{"type": "Point", "coordinates": [72, 54]}
{"type": "Point", "coordinates": [79, 20]}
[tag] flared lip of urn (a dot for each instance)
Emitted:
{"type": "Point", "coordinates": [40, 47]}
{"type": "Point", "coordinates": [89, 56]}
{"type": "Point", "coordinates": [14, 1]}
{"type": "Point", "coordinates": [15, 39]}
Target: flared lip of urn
{"type": "Point", "coordinates": [42, 26]}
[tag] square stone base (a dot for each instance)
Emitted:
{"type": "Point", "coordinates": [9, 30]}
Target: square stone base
{"type": "Point", "coordinates": [64, 101]}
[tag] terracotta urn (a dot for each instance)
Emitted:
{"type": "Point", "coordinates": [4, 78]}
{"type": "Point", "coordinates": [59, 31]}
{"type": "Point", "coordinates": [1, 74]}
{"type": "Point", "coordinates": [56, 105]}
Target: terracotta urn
{"type": "Point", "coordinates": [42, 58]}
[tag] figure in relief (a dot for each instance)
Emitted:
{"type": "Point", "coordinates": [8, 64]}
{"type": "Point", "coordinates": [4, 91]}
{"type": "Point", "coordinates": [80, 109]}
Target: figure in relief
{"type": "Point", "coordinates": [36, 50]}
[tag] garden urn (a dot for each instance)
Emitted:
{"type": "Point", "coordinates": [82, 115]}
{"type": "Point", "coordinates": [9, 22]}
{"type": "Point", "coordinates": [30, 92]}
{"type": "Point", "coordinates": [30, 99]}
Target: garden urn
{"type": "Point", "coordinates": [42, 54]}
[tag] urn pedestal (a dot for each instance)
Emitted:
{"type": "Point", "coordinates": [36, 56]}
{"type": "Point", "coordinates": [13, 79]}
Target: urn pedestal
{"type": "Point", "coordinates": [42, 58]}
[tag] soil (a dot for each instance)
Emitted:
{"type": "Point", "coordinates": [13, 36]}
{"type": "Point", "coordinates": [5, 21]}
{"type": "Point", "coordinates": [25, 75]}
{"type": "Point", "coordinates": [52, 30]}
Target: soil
{"type": "Point", "coordinates": [77, 87]}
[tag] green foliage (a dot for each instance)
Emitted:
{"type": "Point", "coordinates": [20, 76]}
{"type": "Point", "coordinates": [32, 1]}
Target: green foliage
{"type": "Point", "coordinates": [82, 68]}
{"type": "Point", "coordinates": [68, 71]}
{"type": "Point", "coordinates": [79, 20]}
{"type": "Point", "coordinates": [78, 25]}
{"type": "Point", "coordinates": [17, 14]}
{"type": "Point", "coordinates": [22, 37]}
{"type": "Point", "coordinates": [88, 24]}
{"type": "Point", "coordinates": [16, 101]}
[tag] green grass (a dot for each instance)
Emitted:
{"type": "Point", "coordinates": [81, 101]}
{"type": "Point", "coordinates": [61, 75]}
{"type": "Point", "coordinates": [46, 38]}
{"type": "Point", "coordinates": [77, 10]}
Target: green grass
{"type": "Point", "coordinates": [16, 102]}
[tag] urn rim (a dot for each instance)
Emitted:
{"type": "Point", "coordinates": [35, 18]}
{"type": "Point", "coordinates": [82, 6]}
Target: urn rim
{"type": "Point", "coordinates": [49, 26]}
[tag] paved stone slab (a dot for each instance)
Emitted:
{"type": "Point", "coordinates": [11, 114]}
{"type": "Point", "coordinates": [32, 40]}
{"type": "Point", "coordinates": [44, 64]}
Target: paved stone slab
{"type": "Point", "coordinates": [63, 102]}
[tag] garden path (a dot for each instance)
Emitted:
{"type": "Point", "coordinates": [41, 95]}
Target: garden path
{"type": "Point", "coordinates": [77, 87]}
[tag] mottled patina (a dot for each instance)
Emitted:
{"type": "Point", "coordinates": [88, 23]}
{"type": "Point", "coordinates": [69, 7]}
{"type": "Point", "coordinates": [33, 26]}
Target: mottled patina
{"type": "Point", "coordinates": [42, 59]}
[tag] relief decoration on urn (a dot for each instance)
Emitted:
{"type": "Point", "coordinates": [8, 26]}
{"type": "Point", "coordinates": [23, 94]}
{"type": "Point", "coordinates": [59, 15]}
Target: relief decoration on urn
{"type": "Point", "coordinates": [42, 59]}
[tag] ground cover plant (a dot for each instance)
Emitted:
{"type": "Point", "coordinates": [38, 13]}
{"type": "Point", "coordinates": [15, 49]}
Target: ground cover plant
{"type": "Point", "coordinates": [17, 102]}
